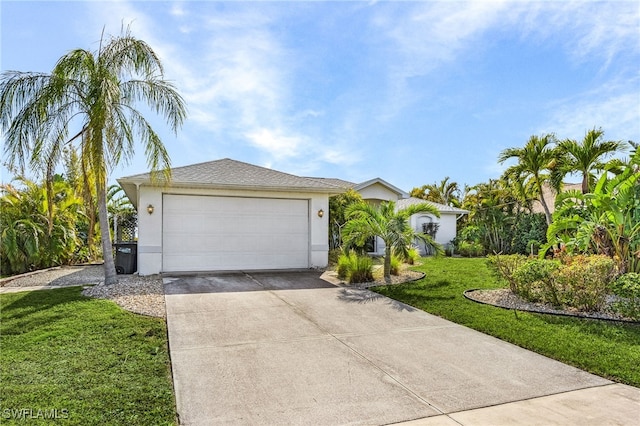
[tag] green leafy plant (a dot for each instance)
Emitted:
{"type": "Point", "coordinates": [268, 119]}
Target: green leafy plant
{"type": "Point", "coordinates": [355, 268]}
{"type": "Point", "coordinates": [627, 287]}
{"type": "Point", "coordinates": [606, 221]}
{"type": "Point", "coordinates": [535, 281]}
{"type": "Point", "coordinates": [470, 249]}
{"type": "Point", "coordinates": [38, 225]}
{"type": "Point", "coordinates": [395, 265]}
{"type": "Point", "coordinates": [583, 282]}
{"type": "Point", "coordinates": [504, 266]}
{"type": "Point", "coordinates": [410, 256]}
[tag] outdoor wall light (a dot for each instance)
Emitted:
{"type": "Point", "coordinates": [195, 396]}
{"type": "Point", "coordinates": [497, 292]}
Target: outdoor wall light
{"type": "Point", "coordinates": [150, 209]}
{"type": "Point", "coordinates": [320, 213]}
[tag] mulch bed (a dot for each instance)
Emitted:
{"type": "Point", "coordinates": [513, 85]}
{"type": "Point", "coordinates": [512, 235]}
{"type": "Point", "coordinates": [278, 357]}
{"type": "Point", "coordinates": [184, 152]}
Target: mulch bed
{"type": "Point", "coordinates": [504, 298]}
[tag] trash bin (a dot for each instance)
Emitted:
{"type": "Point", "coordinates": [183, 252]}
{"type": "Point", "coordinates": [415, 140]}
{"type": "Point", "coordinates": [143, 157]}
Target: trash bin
{"type": "Point", "coordinates": [126, 258]}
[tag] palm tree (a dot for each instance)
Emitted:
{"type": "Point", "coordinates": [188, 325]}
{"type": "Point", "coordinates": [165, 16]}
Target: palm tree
{"type": "Point", "coordinates": [585, 157]}
{"type": "Point", "coordinates": [83, 182]}
{"type": "Point", "coordinates": [98, 92]}
{"type": "Point", "coordinates": [536, 160]}
{"type": "Point", "coordinates": [387, 223]}
{"type": "Point", "coordinates": [447, 193]}
{"type": "Point", "coordinates": [33, 238]}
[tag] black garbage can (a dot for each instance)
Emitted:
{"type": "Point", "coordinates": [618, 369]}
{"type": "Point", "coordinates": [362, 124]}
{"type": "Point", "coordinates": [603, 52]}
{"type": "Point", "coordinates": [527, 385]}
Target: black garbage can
{"type": "Point", "coordinates": [126, 258]}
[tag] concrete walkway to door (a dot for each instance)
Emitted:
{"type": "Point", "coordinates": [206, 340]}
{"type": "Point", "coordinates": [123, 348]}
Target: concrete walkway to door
{"type": "Point", "coordinates": [282, 348]}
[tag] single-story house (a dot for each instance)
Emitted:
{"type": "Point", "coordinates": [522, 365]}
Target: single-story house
{"type": "Point", "coordinates": [230, 215]}
{"type": "Point", "coordinates": [442, 229]}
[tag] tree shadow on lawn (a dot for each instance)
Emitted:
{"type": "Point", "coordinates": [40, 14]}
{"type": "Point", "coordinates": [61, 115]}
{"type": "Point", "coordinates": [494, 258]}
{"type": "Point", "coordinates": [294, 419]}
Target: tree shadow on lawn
{"type": "Point", "coordinates": [366, 296]}
{"type": "Point", "coordinates": [34, 309]}
{"type": "Point", "coordinates": [418, 292]}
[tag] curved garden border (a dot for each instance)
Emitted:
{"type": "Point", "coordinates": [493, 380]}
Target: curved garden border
{"type": "Point", "coordinates": [530, 307]}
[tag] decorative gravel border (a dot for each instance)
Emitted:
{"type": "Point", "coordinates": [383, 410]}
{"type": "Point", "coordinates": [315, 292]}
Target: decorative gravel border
{"type": "Point", "coordinates": [505, 299]}
{"type": "Point", "coordinates": [406, 276]}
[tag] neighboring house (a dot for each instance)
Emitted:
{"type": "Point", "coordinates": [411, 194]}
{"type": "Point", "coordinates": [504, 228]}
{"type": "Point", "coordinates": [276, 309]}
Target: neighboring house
{"type": "Point", "coordinates": [550, 196]}
{"type": "Point", "coordinates": [228, 215]}
{"type": "Point", "coordinates": [442, 229]}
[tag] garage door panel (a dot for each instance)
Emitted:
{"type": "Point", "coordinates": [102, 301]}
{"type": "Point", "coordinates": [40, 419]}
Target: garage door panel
{"type": "Point", "coordinates": [202, 233]}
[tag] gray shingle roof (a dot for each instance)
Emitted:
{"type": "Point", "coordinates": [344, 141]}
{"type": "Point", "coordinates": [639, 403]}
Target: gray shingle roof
{"type": "Point", "coordinates": [340, 183]}
{"type": "Point", "coordinates": [406, 202]}
{"type": "Point", "coordinates": [237, 174]}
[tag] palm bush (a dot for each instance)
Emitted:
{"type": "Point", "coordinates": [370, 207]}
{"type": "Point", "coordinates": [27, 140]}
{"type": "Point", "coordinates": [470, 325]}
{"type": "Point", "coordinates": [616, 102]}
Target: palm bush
{"type": "Point", "coordinates": [395, 265]}
{"type": "Point", "coordinates": [355, 268]}
{"type": "Point", "coordinates": [39, 225]}
{"type": "Point", "coordinates": [385, 222]}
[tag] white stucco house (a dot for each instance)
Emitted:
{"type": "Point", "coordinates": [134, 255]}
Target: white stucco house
{"type": "Point", "coordinates": [442, 228]}
{"type": "Point", "coordinates": [229, 215]}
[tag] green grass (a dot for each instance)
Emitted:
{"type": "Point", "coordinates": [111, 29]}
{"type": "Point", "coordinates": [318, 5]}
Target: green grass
{"type": "Point", "coordinates": [88, 359]}
{"type": "Point", "coordinates": [608, 349]}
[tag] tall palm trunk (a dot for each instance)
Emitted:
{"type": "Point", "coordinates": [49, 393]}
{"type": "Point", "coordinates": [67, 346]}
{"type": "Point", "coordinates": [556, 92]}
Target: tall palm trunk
{"type": "Point", "coordinates": [585, 183]}
{"type": "Point", "coordinates": [387, 263]}
{"type": "Point", "coordinates": [545, 207]}
{"type": "Point", "coordinates": [109, 265]}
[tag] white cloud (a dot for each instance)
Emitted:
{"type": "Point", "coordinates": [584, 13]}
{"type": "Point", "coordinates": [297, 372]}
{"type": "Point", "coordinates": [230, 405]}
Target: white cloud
{"type": "Point", "coordinates": [425, 36]}
{"type": "Point", "coordinates": [275, 142]}
{"type": "Point", "coordinates": [587, 30]}
{"type": "Point", "coordinates": [177, 9]}
{"type": "Point", "coordinates": [614, 109]}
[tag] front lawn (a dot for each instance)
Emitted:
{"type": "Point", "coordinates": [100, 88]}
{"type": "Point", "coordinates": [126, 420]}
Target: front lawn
{"type": "Point", "coordinates": [611, 350]}
{"type": "Point", "coordinates": [82, 360]}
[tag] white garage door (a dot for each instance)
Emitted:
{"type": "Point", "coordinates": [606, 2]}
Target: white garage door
{"type": "Point", "coordinates": [206, 233]}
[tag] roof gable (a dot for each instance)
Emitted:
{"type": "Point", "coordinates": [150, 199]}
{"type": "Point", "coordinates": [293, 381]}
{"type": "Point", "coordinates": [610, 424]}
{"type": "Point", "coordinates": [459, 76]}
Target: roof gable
{"type": "Point", "coordinates": [377, 181]}
{"type": "Point", "coordinates": [442, 208]}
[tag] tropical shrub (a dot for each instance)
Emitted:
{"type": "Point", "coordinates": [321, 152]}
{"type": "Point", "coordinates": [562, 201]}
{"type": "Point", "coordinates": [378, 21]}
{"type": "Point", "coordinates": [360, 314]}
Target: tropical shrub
{"type": "Point", "coordinates": [334, 255]}
{"type": "Point", "coordinates": [605, 221]}
{"type": "Point", "coordinates": [470, 249]}
{"type": "Point", "coordinates": [504, 266]}
{"type": "Point", "coordinates": [410, 256]}
{"type": "Point", "coordinates": [627, 287]}
{"type": "Point", "coordinates": [355, 268]}
{"type": "Point", "coordinates": [583, 282]}
{"type": "Point", "coordinates": [535, 281]}
{"type": "Point", "coordinates": [38, 225]}
{"type": "Point", "coordinates": [395, 265]}
{"type": "Point", "coordinates": [343, 266]}
{"type": "Point", "coordinates": [527, 229]}
{"type": "Point", "coordinates": [337, 207]}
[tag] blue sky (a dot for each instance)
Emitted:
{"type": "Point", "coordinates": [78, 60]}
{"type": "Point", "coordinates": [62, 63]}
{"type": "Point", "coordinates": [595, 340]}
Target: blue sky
{"type": "Point", "coordinates": [407, 91]}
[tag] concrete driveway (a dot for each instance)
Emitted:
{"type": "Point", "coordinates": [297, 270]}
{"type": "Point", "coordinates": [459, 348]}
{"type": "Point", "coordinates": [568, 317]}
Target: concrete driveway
{"type": "Point", "coordinates": [289, 348]}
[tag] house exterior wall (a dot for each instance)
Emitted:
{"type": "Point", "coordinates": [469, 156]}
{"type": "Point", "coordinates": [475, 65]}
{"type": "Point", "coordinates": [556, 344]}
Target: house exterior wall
{"type": "Point", "coordinates": [378, 191]}
{"type": "Point", "coordinates": [446, 231]}
{"type": "Point", "coordinates": [150, 226]}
